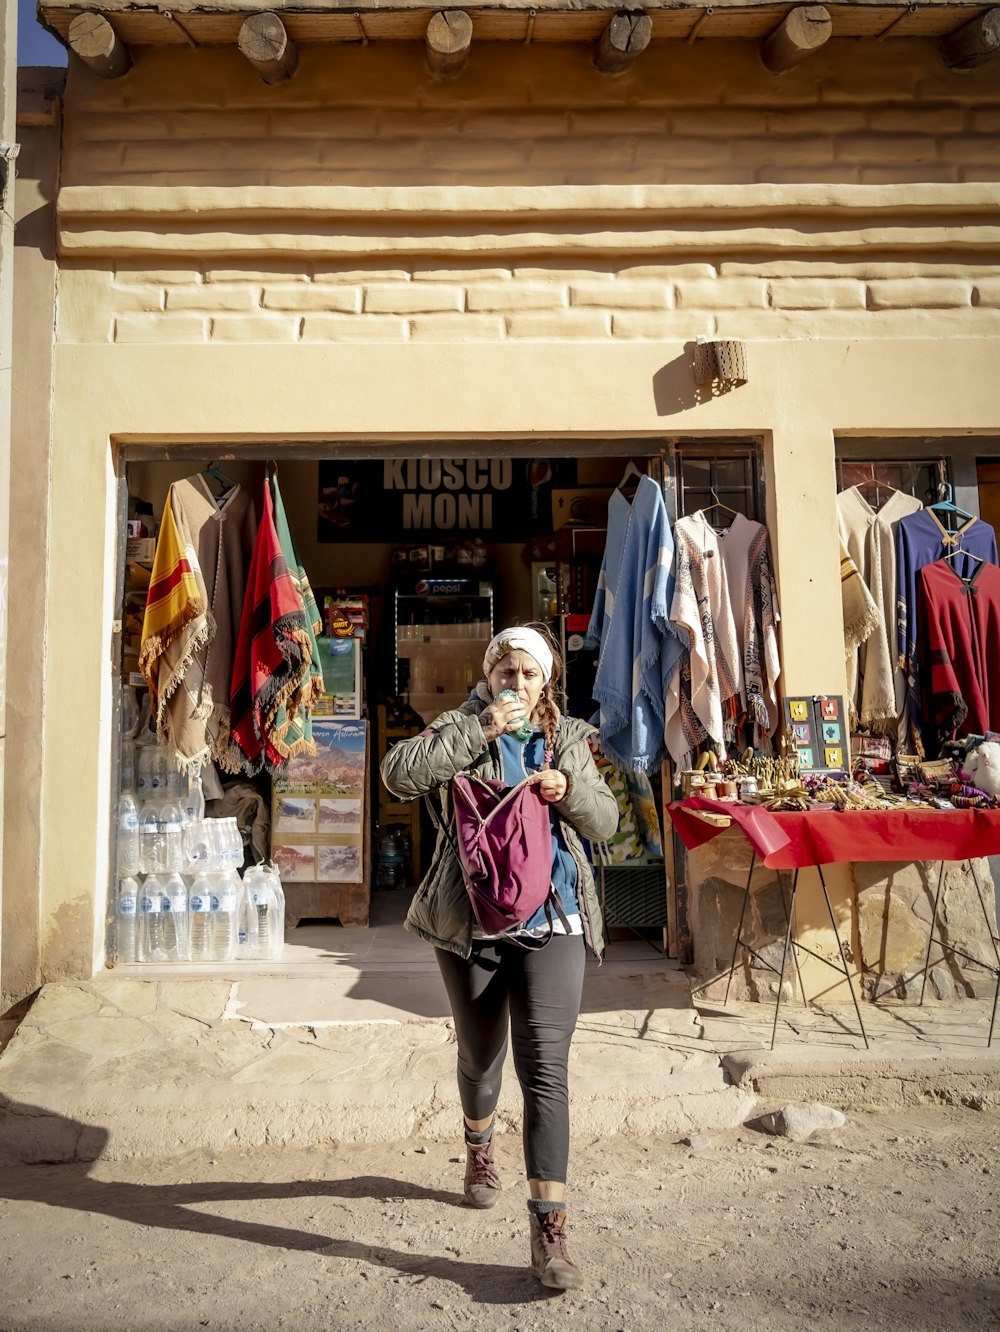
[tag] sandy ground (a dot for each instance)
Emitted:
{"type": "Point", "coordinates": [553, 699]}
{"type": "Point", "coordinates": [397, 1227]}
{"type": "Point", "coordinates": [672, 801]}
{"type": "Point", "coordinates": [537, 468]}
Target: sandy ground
{"type": "Point", "coordinates": [890, 1223]}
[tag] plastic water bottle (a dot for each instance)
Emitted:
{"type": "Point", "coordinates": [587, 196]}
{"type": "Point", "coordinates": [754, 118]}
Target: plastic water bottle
{"type": "Point", "coordinates": [202, 926]}
{"type": "Point", "coordinates": [128, 835]}
{"type": "Point", "coordinates": [154, 772]}
{"type": "Point", "coordinates": [389, 870]}
{"type": "Point", "coordinates": [125, 919]}
{"type": "Point", "coordinates": [152, 856]}
{"type": "Point", "coordinates": [172, 836]}
{"type": "Point", "coordinates": [225, 915]}
{"type": "Point", "coordinates": [192, 798]}
{"type": "Point", "coordinates": [176, 893]}
{"type": "Point", "coordinates": [248, 939]}
{"type": "Point", "coordinates": [127, 769]}
{"type": "Point", "coordinates": [157, 935]}
{"type": "Point", "coordinates": [197, 848]}
{"type": "Point", "coordinates": [130, 712]}
{"type": "Point", "coordinates": [276, 925]}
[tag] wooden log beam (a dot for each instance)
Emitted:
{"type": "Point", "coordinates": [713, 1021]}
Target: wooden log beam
{"type": "Point", "coordinates": [449, 37]}
{"type": "Point", "coordinates": [97, 44]}
{"type": "Point", "coordinates": [974, 43]}
{"type": "Point", "coordinates": [803, 31]}
{"type": "Point", "coordinates": [267, 45]}
{"type": "Point", "coordinates": [622, 42]}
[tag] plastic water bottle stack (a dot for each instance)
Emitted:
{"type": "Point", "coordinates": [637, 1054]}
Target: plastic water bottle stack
{"type": "Point", "coordinates": [180, 895]}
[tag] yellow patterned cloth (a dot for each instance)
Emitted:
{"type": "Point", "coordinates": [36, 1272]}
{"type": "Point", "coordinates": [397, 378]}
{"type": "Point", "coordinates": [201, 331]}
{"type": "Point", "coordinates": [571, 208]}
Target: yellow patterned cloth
{"type": "Point", "coordinates": [175, 626]}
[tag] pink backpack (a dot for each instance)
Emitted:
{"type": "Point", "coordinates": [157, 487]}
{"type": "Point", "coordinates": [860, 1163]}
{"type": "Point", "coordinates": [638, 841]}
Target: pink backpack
{"type": "Point", "coordinates": [504, 845]}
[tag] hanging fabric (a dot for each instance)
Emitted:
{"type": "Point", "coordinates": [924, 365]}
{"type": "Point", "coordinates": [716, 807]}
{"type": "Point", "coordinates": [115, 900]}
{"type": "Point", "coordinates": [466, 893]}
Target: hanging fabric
{"type": "Point", "coordinates": [273, 663]}
{"type": "Point", "coordinates": [753, 596]}
{"type": "Point", "coordinates": [921, 539]}
{"type": "Point", "coordinates": [192, 617]}
{"type": "Point", "coordinates": [698, 704]}
{"type": "Point", "coordinates": [959, 650]}
{"type": "Point", "coordinates": [876, 688]}
{"type": "Point", "coordinates": [639, 652]}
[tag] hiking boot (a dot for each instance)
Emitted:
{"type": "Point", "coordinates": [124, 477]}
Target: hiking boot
{"type": "Point", "coordinates": [549, 1260]}
{"type": "Point", "coordinates": [482, 1183]}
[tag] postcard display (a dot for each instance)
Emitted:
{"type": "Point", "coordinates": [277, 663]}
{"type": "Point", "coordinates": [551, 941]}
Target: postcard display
{"type": "Point", "coordinates": [318, 826]}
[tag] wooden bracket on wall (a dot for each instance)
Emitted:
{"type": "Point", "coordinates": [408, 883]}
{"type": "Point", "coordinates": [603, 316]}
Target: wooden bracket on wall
{"type": "Point", "coordinates": [97, 44]}
{"type": "Point", "coordinates": [974, 43]}
{"type": "Point", "coordinates": [266, 44]}
{"type": "Point", "coordinates": [804, 30]}
{"type": "Point", "coordinates": [622, 42]}
{"type": "Point", "coordinates": [449, 39]}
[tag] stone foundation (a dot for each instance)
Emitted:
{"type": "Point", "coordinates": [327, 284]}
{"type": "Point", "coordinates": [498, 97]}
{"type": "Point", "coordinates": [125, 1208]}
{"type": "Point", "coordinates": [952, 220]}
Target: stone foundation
{"type": "Point", "coordinates": [884, 913]}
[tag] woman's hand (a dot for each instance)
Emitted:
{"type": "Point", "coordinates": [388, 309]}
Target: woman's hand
{"type": "Point", "coordinates": [552, 784]}
{"type": "Point", "coordinates": [502, 715]}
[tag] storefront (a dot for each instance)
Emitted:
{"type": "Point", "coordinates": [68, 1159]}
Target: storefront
{"type": "Point", "coordinates": [369, 265]}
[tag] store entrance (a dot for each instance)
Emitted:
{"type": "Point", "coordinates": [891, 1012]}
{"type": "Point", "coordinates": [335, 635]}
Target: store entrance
{"type": "Point", "coordinates": [413, 563]}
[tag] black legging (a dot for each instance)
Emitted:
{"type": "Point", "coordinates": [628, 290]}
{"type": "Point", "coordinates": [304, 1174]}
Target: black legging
{"type": "Point", "coordinates": [538, 991]}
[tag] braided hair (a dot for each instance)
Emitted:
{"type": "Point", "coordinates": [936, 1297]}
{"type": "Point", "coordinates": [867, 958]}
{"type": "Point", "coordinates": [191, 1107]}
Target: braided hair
{"type": "Point", "coordinates": [546, 714]}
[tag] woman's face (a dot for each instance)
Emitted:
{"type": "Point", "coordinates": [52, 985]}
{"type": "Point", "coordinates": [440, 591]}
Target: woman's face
{"type": "Point", "coordinates": [519, 671]}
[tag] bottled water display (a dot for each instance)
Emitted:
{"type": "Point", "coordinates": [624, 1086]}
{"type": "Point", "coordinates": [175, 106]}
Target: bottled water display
{"type": "Point", "coordinates": [125, 919]}
{"type": "Point", "coordinates": [180, 894]}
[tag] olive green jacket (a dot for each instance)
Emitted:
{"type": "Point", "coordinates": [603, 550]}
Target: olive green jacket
{"type": "Point", "coordinates": [440, 911]}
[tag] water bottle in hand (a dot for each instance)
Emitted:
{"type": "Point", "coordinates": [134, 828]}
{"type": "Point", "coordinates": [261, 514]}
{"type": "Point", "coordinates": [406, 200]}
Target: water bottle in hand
{"type": "Point", "coordinates": [525, 729]}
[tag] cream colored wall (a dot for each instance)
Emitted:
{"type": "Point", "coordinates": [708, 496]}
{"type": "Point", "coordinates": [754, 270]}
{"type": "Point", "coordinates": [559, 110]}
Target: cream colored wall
{"type": "Point", "coordinates": [279, 265]}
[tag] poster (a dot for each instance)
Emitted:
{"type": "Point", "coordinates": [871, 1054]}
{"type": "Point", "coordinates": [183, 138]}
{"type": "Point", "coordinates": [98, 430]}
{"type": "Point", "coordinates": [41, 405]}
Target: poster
{"type": "Point", "coordinates": [318, 807]}
{"type": "Point", "coordinates": [406, 499]}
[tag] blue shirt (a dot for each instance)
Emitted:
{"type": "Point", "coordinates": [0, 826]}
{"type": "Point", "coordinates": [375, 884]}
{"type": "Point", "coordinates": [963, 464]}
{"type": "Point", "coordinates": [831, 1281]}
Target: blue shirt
{"type": "Point", "coordinates": [517, 762]}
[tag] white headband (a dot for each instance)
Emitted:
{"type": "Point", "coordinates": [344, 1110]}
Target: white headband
{"type": "Point", "coordinates": [528, 640]}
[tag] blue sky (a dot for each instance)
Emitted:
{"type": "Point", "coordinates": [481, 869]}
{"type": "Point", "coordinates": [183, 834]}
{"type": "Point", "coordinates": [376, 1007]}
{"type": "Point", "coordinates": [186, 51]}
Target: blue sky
{"type": "Point", "coordinates": [35, 46]}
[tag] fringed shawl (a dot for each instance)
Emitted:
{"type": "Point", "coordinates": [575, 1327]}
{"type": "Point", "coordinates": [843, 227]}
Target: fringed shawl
{"type": "Point", "coordinates": [861, 615]}
{"type": "Point", "coordinates": [709, 676]}
{"type": "Point", "coordinates": [272, 660]}
{"type": "Point", "coordinates": [291, 731]}
{"type": "Point", "coordinates": [754, 600]}
{"type": "Point", "coordinates": [875, 684]}
{"type": "Point", "coordinates": [176, 628]}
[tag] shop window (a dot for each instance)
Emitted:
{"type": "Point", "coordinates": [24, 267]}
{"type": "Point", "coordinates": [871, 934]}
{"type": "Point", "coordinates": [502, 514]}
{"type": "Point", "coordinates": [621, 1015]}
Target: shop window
{"type": "Point", "coordinates": [919, 477]}
{"type": "Point", "coordinates": [730, 476]}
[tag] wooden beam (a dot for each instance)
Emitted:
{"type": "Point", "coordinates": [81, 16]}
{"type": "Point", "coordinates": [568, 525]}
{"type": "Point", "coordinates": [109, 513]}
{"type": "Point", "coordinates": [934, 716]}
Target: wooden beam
{"type": "Point", "coordinates": [974, 43]}
{"type": "Point", "coordinates": [267, 45]}
{"type": "Point", "coordinates": [97, 44]}
{"type": "Point", "coordinates": [803, 31]}
{"type": "Point", "coordinates": [449, 37]}
{"type": "Point", "coordinates": [622, 42]}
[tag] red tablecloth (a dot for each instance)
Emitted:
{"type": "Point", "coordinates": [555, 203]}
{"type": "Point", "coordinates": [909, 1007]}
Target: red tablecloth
{"type": "Point", "coordinates": [824, 837]}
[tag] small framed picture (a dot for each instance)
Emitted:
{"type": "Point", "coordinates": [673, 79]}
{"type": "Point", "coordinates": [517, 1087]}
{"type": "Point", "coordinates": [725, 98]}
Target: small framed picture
{"type": "Point", "coordinates": [802, 732]}
{"type": "Point", "coordinates": [834, 756]}
{"type": "Point", "coordinates": [831, 733]}
{"type": "Point", "coordinates": [829, 708]}
{"type": "Point", "coordinates": [798, 709]}
{"type": "Point", "coordinates": [805, 757]}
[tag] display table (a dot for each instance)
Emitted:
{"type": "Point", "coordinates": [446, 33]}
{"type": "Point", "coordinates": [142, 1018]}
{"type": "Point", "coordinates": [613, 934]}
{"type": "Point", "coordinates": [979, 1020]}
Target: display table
{"type": "Point", "coordinates": [793, 841]}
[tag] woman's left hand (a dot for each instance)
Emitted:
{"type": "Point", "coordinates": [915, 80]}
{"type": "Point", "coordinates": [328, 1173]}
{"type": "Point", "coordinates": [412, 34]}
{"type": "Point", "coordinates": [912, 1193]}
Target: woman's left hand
{"type": "Point", "coordinates": [552, 784]}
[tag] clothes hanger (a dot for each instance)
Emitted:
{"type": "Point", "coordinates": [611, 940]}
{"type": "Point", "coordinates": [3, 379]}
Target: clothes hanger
{"type": "Point", "coordinates": [718, 504]}
{"type": "Point", "coordinates": [969, 555]}
{"type": "Point", "coordinates": [631, 474]}
{"type": "Point", "coordinates": [947, 505]}
{"type": "Point", "coordinates": [214, 470]}
{"type": "Point", "coordinates": [879, 485]}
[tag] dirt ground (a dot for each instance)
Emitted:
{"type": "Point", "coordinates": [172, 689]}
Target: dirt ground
{"type": "Point", "coordinates": [890, 1223]}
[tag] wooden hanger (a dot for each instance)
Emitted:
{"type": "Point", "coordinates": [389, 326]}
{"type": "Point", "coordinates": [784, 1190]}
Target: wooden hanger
{"type": "Point", "coordinates": [879, 485]}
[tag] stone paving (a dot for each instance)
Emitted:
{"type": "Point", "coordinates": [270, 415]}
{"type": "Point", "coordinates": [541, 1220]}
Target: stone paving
{"type": "Point", "coordinates": [357, 1046]}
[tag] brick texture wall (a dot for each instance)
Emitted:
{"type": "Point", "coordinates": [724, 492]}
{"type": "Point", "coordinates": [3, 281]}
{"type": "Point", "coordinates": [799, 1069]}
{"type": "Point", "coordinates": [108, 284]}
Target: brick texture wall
{"type": "Point", "coordinates": [708, 114]}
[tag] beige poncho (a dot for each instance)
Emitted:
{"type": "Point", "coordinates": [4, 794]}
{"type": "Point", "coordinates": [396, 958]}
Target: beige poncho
{"type": "Point", "coordinates": [875, 684]}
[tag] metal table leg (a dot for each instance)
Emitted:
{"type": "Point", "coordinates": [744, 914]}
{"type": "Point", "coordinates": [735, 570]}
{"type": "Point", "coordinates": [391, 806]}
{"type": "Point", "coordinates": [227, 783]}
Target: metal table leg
{"type": "Point", "coordinates": [843, 959]}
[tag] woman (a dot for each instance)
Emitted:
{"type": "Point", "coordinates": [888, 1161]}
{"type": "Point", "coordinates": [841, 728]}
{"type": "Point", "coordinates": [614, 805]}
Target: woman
{"type": "Point", "coordinates": [516, 980]}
